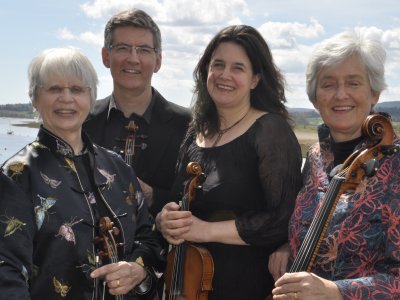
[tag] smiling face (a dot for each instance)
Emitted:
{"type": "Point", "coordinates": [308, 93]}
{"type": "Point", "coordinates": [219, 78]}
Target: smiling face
{"type": "Point", "coordinates": [344, 98]}
{"type": "Point", "coordinates": [132, 72]}
{"type": "Point", "coordinates": [230, 76]}
{"type": "Point", "coordinates": [63, 110]}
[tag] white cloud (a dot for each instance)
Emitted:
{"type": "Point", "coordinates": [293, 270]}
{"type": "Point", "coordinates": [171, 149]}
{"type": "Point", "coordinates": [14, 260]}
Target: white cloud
{"type": "Point", "coordinates": [65, 34]}
{"type": "Point", "coordinates": [279, 34]}
{"type": "Point", "coordinates": [91, 38]}
{"type": "Point", "coordinates": [104, 8]}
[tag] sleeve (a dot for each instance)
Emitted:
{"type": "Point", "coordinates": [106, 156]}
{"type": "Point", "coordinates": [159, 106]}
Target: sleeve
{"type": "Point", "coordinates": [279, 157]}
{"type": "Point", "coordinates": [148, 250]}
{"type": "Point", "coordinates": [160, 198]}
{"type": "Point", "coordinates": [385, 282]}
{"type": "Point", "coordinates": [17, 230]}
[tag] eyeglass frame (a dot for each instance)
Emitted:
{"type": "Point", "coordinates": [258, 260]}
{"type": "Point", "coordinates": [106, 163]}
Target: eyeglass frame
{"type": "Point", "coordinates": [62, 88]}
{"type": "Point", "coordinates": [131, 47]}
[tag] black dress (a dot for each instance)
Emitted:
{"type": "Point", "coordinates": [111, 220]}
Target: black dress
{"type": "Point", "coordinates": [254, 180]}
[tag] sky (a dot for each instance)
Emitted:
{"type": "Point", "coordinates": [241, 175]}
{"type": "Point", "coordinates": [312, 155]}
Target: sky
{"type": "Point", "coordinates": [291, 28]}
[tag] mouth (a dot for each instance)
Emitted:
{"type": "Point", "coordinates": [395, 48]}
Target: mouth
{"type": "Point", "coordinates": [65, 112]}
{"type": "Point", "coordinates": [342, 108]}
{"type": "Point", "coordinates": [131, 71]}
{"type": "Point", "coordinates": [225, 87]}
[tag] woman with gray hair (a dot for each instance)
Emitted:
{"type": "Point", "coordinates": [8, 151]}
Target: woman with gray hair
{"type": "Point", "coordinates": [83, 224]}
{"type": "Point", "coordinates": [358, 255]}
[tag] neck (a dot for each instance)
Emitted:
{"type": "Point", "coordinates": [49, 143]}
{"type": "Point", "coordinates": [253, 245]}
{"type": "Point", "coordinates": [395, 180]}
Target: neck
{"type": "Point", "coordinates": [229, 117]}
{"type": "Point", "coordinates": [75, 141]}
{"type": "Point", "coordinates": [130, 102]}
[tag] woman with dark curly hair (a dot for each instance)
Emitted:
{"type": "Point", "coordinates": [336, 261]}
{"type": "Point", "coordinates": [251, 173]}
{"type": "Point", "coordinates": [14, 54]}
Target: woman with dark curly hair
{"type": "Point", "coordinates": [242, 139]}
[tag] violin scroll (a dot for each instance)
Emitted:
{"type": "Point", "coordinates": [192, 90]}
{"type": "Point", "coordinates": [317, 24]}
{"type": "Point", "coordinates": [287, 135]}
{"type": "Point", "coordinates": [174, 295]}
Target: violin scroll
{"type": "Point", "coordinates": [106, 240]}
{"type": "Point", "coordinates": [194, 184]}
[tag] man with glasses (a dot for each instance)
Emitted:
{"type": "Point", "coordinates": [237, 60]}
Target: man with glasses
{"type": "Point", "coordinates": [135, 120]}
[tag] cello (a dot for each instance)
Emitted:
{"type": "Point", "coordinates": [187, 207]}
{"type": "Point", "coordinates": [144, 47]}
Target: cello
{"type": "Point", "coordinates": [378, 131]}
{"type": "Point", "coordinates": [190, 268]}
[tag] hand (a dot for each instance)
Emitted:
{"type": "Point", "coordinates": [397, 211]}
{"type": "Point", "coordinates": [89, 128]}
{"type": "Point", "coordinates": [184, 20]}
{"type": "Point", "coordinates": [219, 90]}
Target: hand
{"type": "Point", "coordinates": [147, 191]}
{"type": "Point", "coordinates": [278, 261]}
{"type": "Point", "coordinates": [121, 277]}
{"type": "Point", "coordinates": [173, 223]}
{"type": "Point", "coordinates": [305, 285]}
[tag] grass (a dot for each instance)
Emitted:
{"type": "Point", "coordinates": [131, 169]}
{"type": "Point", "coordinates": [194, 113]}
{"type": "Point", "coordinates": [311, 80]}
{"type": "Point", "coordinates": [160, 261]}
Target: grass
{"type": "Point", "coordinates": [306, 135]}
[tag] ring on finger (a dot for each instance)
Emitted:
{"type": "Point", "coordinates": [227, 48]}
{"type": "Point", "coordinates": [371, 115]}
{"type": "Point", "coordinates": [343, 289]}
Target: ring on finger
{"type": "Point", "coordinates": [295, 296]}
{"type": "Point", "coordinates": [118, 284]}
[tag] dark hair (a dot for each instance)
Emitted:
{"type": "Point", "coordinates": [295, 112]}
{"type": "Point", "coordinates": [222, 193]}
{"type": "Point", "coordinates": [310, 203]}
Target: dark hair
{"type": "Point", "coordinates": [268, 95]}
{"type": "Point", "coordinates": [135, 18]}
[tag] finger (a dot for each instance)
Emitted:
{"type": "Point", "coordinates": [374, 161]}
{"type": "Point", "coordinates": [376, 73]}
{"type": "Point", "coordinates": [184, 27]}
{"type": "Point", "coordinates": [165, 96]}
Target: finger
{"type": "Point", "coordinates": [171, 206]}
{"type": "Point", "coordinates": [177, 215]}
{"type": "Point", "coordinates": [173, 240]}
{"type": "Point", "coordinates": [114, 284]}
{"type": "Point", "coordinates": [116, 287]}
{"type": "Point", "coordinates": [105, 270]}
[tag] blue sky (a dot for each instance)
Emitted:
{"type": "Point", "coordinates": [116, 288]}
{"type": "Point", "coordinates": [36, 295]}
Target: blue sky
{"type": "Point", "coordinates": [291, 28]}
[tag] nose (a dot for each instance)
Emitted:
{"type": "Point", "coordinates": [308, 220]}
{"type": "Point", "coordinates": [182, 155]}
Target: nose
{"type": "Point", "coordinates": [225, 73]}
{"type": "Point", "coordinates": [66, 94]}
{"type": "Point", "coordinates": [341, 92]}
{"type": "Point", "coordinates": [133, 55]}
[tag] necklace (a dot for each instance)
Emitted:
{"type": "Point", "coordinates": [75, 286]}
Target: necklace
{"type": "Point", "coordinates": [221, 132]}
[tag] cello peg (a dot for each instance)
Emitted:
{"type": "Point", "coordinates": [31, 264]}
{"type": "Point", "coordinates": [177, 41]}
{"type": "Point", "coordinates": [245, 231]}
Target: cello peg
{"type": "Point", "coordinates": [370, 167]}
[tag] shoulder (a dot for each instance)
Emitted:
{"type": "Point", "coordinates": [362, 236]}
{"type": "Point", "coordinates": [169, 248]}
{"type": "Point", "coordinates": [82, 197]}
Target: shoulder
{"type": "Point", "coordinates": [273, 123]}
{"type": "Point", "coordinates": [164, 106]}
{"type": "Point", "coordinates": [110, 158]}
{"type": "Point", "coordinates": [100, 107]}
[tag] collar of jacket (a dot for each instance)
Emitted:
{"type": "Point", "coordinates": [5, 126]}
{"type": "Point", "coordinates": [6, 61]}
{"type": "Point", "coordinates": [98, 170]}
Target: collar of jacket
{"type": "Point", "coordinates": [58, 145]}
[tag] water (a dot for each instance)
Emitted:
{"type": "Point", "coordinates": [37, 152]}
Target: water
{"type": "Point", "coordinates": [12, 143]}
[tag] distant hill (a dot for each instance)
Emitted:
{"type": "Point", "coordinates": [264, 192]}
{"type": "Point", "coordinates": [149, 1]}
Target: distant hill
{"type": "Point", "coordinates": [19, 110]}
{"type": "Point", "coordinates": [302, 116]}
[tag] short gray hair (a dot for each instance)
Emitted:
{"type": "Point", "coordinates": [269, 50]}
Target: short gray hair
{"type": "Point", "coordinates": [135, 18]}
{"type": "Point", "coordinates": [340, 47]}
{"type": "Point", "coordinates": [66, 62]}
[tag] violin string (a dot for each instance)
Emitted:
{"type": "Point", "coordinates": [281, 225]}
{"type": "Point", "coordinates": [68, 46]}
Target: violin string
{"type": "Point", "coordinates": [178, 260]}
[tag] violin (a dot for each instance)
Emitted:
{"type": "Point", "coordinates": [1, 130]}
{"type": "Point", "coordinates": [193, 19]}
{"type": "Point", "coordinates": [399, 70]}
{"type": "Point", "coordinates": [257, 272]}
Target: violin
{"type": "Point", "coordinates": [108, 251]}
{"type": "Point", "coordinates": [130, 142]}
{"type": "Point", "coordinates": [190, 268]}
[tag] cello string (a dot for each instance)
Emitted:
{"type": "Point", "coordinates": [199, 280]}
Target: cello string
{"type": "Point", "coordinates": [311, 240]}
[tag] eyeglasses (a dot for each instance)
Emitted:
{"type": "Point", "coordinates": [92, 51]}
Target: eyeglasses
{"type": "Point", "coordinates": [126, 50]}
{"type": "Point", "coordinates": [75, 90]}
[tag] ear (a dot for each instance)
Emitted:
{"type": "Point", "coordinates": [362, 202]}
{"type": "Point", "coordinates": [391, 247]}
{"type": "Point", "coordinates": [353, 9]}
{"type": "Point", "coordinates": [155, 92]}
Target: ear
{"type": "Point", "coordinates": [315, 103]}
{"type": "Point", "coordinates": [375, 98]}
{"type": "Point", "coordinates": [255, 80]}
{"type": "Point", "coordinates": [158, 63]}
{"type": "Point", "coordinates": [106, 57]}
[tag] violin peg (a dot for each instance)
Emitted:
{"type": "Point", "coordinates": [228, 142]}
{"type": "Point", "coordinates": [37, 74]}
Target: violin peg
{"type": "Point", "coordinates": [115, 230]}
{"type": "Point", "coordinates": [98, 240]}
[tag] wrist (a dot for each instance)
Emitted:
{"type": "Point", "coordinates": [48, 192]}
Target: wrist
{"type": "Point", "coordinates": [145, 286]}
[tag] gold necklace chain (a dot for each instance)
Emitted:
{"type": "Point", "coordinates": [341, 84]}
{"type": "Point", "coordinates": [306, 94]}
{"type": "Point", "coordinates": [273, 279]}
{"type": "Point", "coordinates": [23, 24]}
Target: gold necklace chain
{"type": "Point", "coordinates": [221, 132]}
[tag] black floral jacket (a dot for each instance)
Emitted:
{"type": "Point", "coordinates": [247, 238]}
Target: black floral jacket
{"type": "Point", "coordinates": [47, 235]}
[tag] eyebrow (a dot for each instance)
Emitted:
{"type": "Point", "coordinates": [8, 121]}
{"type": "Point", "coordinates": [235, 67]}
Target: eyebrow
{"type": "Point", "coordinates": [235, 63]}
